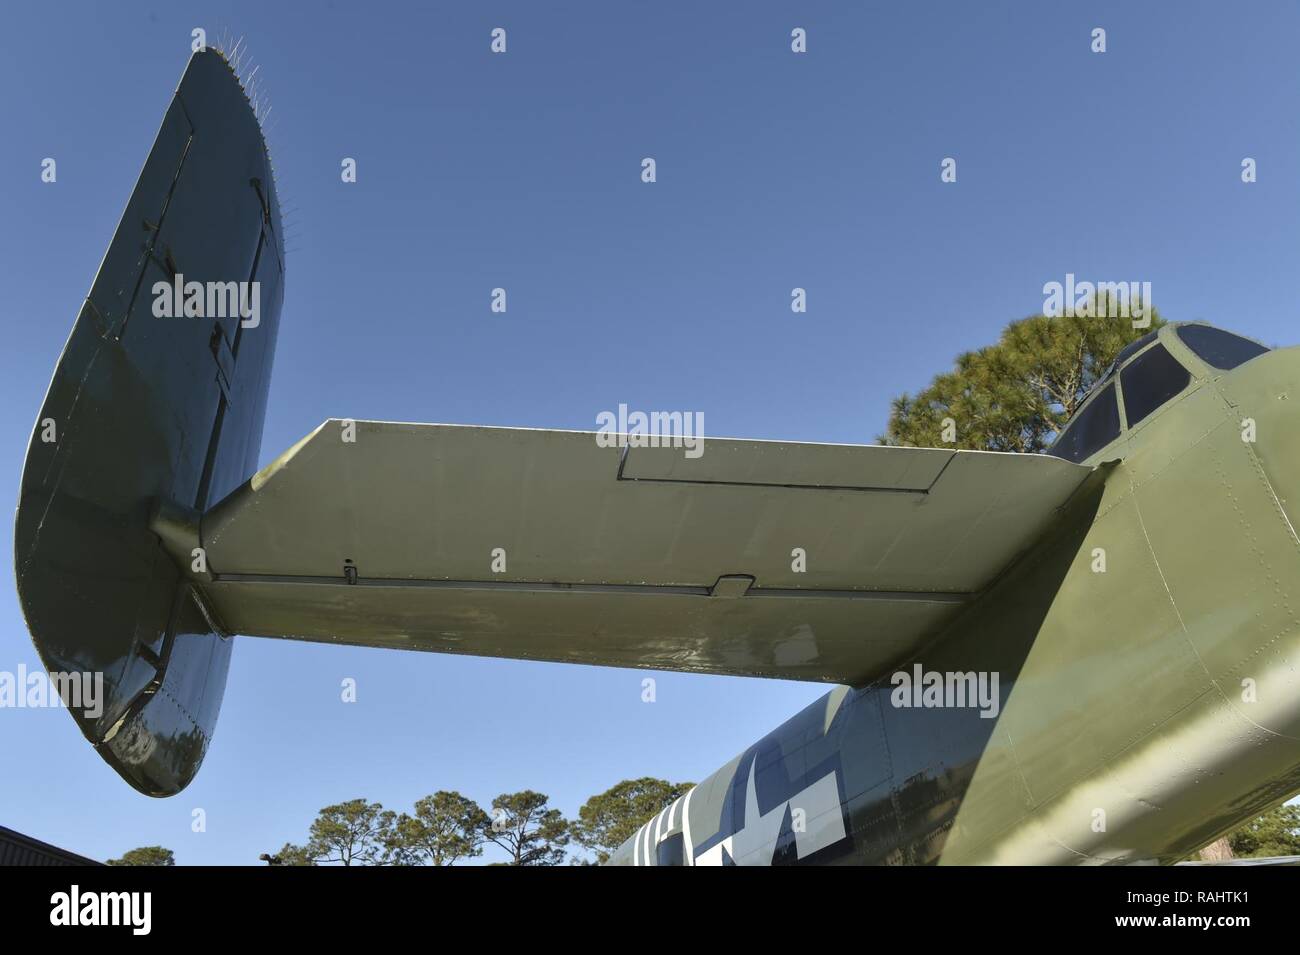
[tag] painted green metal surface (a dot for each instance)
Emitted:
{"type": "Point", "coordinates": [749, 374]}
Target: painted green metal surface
{"type": "Point", "coordinates": [142, 409]}
{"type": "Point", "coordinates": [539, 545]}
{"type": "Point", "coordinates": [1133, 617]}
{"type": "Point", "coordinates": [1145, 709]}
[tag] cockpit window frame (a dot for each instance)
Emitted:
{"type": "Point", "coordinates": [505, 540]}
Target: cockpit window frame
{"type": "Point", "coordinates": [1214, 371]}
{"type": "Point", "coordinates": [1192, 379]}
{"type": "Point", "coordinates": [1101, 388]}
{"type": "Point", "coordinates": [1167, 337]}
{"type": "Point", "coordinates": [1135, 348]}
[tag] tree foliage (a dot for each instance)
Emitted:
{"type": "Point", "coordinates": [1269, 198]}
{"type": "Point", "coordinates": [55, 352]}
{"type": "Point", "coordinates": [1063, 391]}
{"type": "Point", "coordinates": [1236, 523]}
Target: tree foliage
{"type": "Point", "coordinates": [1275, 833]}
{"type": "Point", "coordinates": [290, 854]}
{"type": "Point", "coordinates": [145, 855]}
{"type": "Point", "coordinates": [609, 819]}
{"type": "Point", "coordinates": [351, 833]}
{"type": "Point", "coordinates": [528, 830]}
{"type": "Point", "coordinates": [1016, 394]}
{"type": "Point", "coordinates": [444, 827]}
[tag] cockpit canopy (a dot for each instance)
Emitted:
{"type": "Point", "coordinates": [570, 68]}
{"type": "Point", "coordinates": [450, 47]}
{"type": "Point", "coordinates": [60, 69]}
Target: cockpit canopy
{"type": "Point", "coordinates": [1147, 375]}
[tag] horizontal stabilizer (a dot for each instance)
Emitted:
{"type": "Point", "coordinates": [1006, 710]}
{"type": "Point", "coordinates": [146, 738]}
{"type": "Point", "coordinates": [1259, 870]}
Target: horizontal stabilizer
{"type": "Point", "coordinates": [760, 558]}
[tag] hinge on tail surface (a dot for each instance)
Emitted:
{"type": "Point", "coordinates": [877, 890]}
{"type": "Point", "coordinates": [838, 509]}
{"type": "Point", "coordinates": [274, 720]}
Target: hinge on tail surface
{"type": "Point", "coordinates": [225, 359]}
{"type": "Point", "coordinates": [178, 529]}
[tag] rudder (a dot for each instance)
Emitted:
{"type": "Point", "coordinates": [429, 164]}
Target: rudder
{"type": "Point", "coordinates": [146, 411]}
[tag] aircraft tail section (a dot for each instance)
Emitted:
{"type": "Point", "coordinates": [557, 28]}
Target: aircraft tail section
{"type": "Point", "coordinates": [158, 399]}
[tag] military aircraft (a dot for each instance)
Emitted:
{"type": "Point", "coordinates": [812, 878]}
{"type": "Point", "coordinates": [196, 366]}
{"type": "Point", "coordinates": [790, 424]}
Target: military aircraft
{"type": "Point", "coordinates": [1088, 656]}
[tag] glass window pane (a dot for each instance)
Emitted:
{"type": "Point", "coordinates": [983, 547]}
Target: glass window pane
{"type": "Point", "coordinates": [1149, 381]}
{"type": "Point", "coordinates": [1093, 428]}
{"type": "Point", "coordinates": [1217, 348]}
{"type": "Point", "coordinates": [672, 851]}
{"type": "Point", "coordinates": [1135, 346]}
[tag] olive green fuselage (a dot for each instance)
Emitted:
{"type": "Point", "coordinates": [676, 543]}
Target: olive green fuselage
{"type": "Point", "coordinates": [1144, 652]}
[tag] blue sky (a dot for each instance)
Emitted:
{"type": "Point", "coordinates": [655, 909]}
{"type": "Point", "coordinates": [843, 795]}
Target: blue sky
{"type": "Point", "coordinates": [522, 171]}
